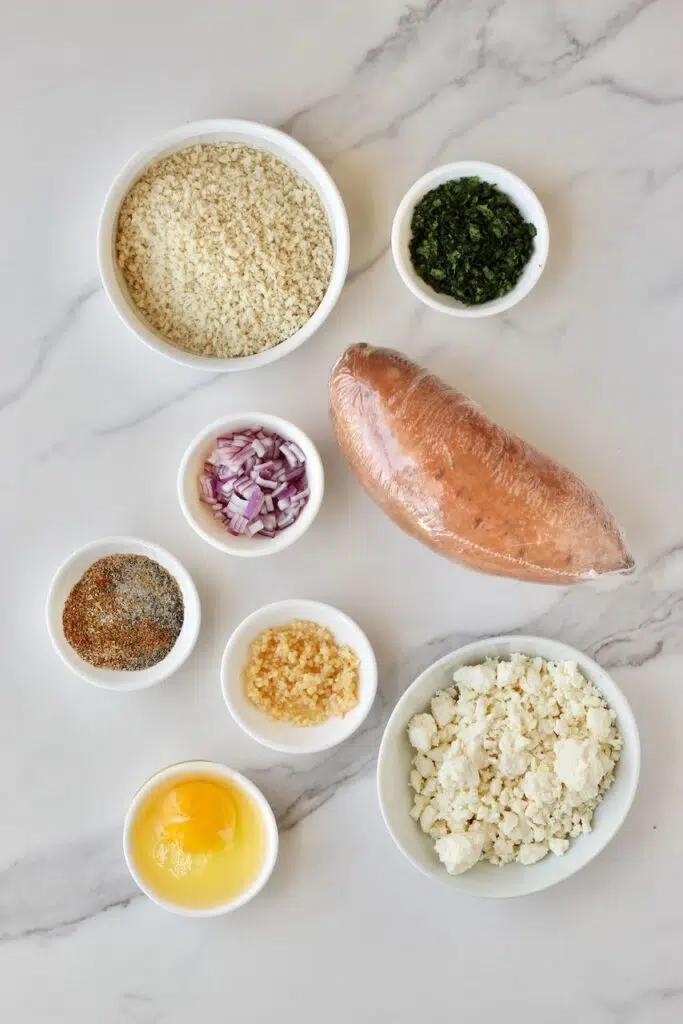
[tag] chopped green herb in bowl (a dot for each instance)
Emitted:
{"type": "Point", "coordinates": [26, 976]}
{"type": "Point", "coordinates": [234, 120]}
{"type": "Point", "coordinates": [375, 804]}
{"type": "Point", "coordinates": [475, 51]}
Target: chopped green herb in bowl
{"type": "Point", "coordinates": [470, 241]}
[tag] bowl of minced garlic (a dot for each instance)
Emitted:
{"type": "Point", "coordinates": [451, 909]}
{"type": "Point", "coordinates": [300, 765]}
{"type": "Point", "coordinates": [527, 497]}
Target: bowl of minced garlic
{"type": "Point", "coordinates": [224, 244]}
{"type": "Point", "coordinates": [299, 676]}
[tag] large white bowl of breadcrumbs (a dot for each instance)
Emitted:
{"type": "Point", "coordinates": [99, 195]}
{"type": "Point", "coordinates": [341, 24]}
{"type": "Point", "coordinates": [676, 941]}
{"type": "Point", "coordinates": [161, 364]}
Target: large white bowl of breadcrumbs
{"type": "Point", "coordinates": [299, 676]}
{"type": "Point", "coordinates": [224, 244]}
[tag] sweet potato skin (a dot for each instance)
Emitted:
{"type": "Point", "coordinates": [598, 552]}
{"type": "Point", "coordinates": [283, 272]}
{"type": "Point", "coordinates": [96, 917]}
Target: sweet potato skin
{"type": "Point", "coordinates": [452, 478]}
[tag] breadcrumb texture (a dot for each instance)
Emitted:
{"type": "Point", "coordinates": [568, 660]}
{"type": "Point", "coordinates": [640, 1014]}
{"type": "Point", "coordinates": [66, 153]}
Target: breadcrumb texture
{"type": "Point", "coordinates": [298, 673]}
{"type": "Point", "coordinates": [224, 249]}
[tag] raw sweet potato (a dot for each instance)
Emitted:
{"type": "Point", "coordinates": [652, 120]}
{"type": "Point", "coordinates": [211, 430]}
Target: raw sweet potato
{"type": "Point", "coordinates": [452, 478]}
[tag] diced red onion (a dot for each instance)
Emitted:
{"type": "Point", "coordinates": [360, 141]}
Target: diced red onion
{"type": "Point", "coordinates": [262, 481]}
{"type": "Point", "coordinates": [206, 487]}
{"type": "Point", "coordinates": [255, 482]}
{"type": "Point", "coordinates": [254, 504]}
{"type": "Point", "coordinates": [291, 458]}
{"type": "Point", "coordinates": [236, 505]}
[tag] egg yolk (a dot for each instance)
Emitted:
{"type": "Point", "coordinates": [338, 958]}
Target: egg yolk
{"type": "Point", "coordinates": [198, 817]}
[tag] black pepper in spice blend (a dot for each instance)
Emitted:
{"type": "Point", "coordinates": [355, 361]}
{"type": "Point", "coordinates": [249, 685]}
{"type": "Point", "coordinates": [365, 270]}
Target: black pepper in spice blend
{"type": "Point", "coordinates": [126, 612]}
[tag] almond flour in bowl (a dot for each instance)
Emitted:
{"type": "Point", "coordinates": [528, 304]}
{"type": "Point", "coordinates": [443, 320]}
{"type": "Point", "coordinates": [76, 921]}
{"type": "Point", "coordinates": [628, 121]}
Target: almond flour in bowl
{"type": "Point", "coordinates": [224, 249]}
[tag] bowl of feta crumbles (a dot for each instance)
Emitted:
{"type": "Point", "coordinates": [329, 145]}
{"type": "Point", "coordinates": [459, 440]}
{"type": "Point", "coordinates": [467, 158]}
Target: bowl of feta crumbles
{"type": "Point", "coordinates": [508, 765]}
{"type": "Point", "coordinates": [223, 244]}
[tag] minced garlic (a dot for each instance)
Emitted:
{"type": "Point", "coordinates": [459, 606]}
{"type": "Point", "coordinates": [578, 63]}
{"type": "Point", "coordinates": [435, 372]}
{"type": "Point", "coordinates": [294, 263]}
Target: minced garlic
{"type": "Point", "coordinates": [298, 673]}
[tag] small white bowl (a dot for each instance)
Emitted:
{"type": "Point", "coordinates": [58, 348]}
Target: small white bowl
{"type": "Point", "coordinates": [296, 156]}
{"type": "Point", "coordinates": [484, 879]}
{"type": "Point", "coordinates": [282, 736]}
{"type": "Point", "coordinates": [71, 571]}
{"type": "Point", "coordinates": [208, 768]}
{"type": "Point", "coordinates": [524, 198]}
{"type": "Point", "coordinates": [200, 515]}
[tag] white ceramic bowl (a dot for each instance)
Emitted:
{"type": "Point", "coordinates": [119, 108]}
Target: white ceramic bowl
{"type": "Point", "coordinates": [524, 198]}
{"type": "Point", "coordinates": [282, 736]}
{"type": "Point", "coordinates": [200, 515]}
{"type": "Point", "coordinates": [250, 133]}
{"type": "Point", "coordinates": [71, 571]}
{"type": "Point", "coordinates": [486, 879]}
{"type": "Point", "coordinates": [220, 771]}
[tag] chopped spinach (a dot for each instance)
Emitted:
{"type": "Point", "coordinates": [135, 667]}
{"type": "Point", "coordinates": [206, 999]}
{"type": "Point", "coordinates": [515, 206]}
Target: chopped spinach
{"type": "Point", "coordinates": [470, 241]}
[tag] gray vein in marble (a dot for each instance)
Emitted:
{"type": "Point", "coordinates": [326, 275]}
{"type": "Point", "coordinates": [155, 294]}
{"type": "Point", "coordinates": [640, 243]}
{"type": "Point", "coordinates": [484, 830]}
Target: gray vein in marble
{"type": "Point", "coordinates": [156, 410]}
{"type": "Point", "coordinates": [139, 1008]}
{"type": "Point", "coordinates": [579, 49]}
{"type": "Point", "coordinates": [628, 625]}
{"type": "Point", "coordinates": [459, 80]}
{"type": "Point", "coordinates": [394, 46]}
{"type": "Point", "coordinates": [47, 343]}
{"type": "Point", "coordinates": [59, 447]}
{"type": "Point", "coordinates": [487, 58]}
{"type": "Point", "coordinates": [40, 894]}
{"type": "Point", "coordinates": [617, 87]}
{"type": "Point", "coordinates": [302, 789]}
{"type": "Point", "coordinates": [631, 1010]}
{"type": "Point", "coordinates": [397, 42]}
{"type": "Point", "coordinates": [365, 268]}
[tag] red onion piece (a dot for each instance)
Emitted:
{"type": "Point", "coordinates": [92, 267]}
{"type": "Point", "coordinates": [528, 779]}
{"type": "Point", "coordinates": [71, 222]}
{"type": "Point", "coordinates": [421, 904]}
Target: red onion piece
{"type": "Point", "coordinates": [255, 482]}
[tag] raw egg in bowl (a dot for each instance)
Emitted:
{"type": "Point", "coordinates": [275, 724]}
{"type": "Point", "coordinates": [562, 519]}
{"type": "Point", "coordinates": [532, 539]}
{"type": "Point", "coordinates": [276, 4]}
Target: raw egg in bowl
{"type": "Point", "coordinates": [200, 839]}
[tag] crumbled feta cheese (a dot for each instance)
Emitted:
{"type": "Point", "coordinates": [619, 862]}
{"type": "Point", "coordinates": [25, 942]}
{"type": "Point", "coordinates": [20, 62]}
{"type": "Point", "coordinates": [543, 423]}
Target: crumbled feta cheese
{"type": "Point", "coordinates": [443, 708]}
{"type": "Point", "coordinates": [424, 765]}
{"type": "Point", "coordinates": [459, 852]}
{"type": "Point", "coordinates": [531, 853]}
{"type": "Point", "coordinates": [421, 732]}
{"type": "Point", "coordinates": [599, 722]}
{"type": "Point", "coordinates": [427, 818]}
{"type": "Point", "coordinates": [458, 772]}
{"type": "Point", "coordinates": [541, 786]}
{"type": "Point", "coordinates": [512, 761]}
{"type": "Point", "coordinates": [419, 804]}
{"type": "Point", "coordinates": [558, 846]}
{"type": "Point", "coordinates": [579, 766]}
{"type": "Point", "coordinates": [429, 788]}
{"type": "Point", "coordinates": [476, 678]}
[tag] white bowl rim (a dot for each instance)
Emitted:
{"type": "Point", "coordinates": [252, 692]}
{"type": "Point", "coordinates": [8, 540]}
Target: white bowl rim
{"type": "Point", "coordinates": [266, 545]}
{"type": "Point", "coordinates": [147, 154]}
{"type": "Point", "coordinates": [130, 681]}
{"type": "Point", "coordinates": [462, 169]}
{"type": "Point", "coordinates": [478, 655]}
{"type": "Point", "coordinates": [179, 769]}
{"type": "Point", "coordinates": [293, 607]}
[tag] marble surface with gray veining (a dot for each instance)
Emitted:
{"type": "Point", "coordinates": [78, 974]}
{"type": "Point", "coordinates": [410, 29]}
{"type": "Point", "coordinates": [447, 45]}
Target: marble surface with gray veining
{"type": "Point", "coordinates": [583, 100]}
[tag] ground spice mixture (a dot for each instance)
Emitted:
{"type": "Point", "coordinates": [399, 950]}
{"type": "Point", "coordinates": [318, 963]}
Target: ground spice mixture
{"type": "Point", "coordinates": [125, 613]}
{"type": "Point", "coordinates": [298, 673]}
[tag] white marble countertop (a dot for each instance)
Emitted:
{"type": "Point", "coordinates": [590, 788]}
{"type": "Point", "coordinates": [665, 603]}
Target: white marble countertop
{"type": "Point", "coordinates": [582, 100]}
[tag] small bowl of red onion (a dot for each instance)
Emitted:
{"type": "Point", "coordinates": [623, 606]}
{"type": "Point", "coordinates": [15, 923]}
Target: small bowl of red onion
{"type": "Point", "coordinates": [251, 484]}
